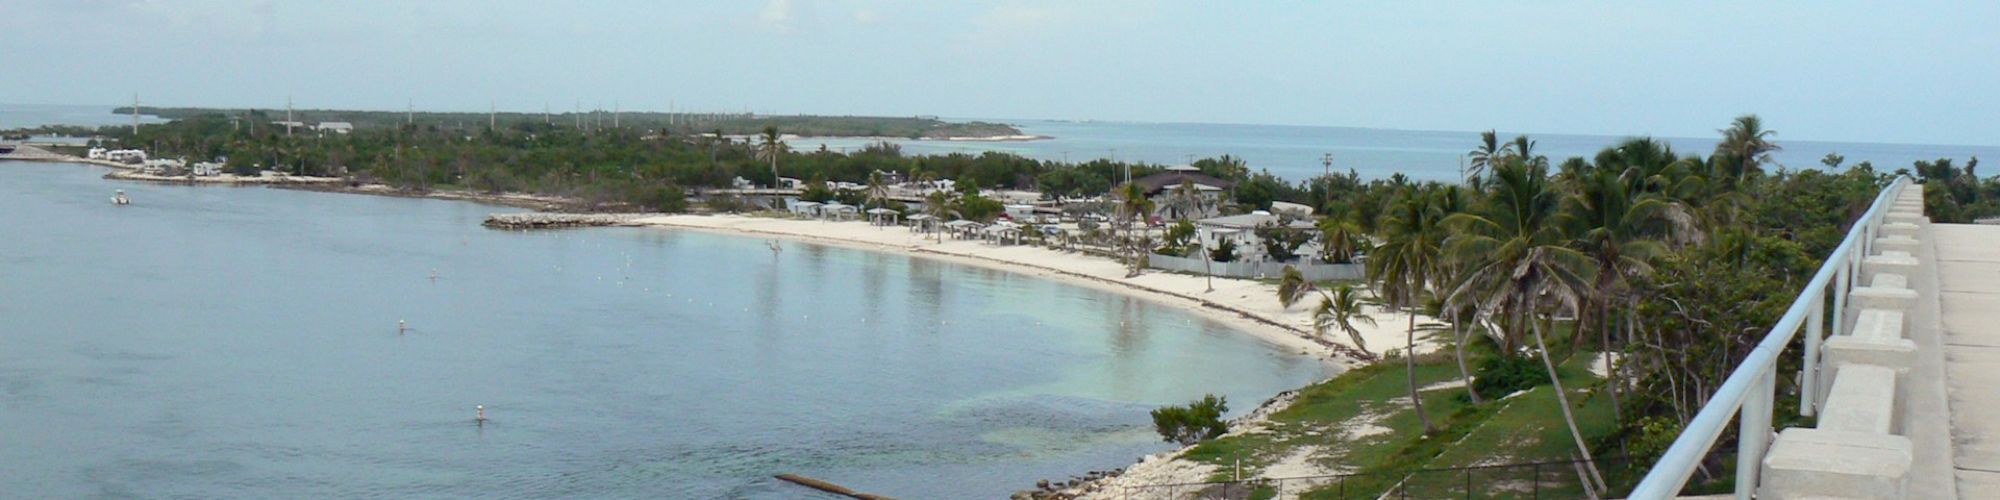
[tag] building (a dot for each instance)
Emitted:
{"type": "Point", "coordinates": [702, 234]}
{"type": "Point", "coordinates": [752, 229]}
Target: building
{"type": "Point", "coordinates": [1242, 229]}
{"type": "Point", "coordinates": [206, 169]}
{"type": "Point", "coordinates": [126, 156]}
{"type": "Point", "coordinates": [335, 127]}
{"type": "Point", "coordinates": [1162, 188]}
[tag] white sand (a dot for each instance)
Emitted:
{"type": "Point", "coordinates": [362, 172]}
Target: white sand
{"type": "Point", "coordinates": [1245, 305]}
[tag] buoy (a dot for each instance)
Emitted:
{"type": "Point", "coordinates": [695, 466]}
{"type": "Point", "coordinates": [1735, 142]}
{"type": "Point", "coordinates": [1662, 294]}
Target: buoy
{"type": "Point", "coordinates": [401, 327]}
{"type": "Point", "coordinates": [481, 418]}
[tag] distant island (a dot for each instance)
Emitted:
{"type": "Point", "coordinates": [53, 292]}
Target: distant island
{"type": "Point", "coordinates": [737, 124]}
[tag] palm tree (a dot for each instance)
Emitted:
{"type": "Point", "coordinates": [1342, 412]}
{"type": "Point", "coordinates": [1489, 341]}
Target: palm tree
{"type": "Point", "coordinates": [878, 189]}
{"type": "Point", "coordinates": [773, 147]}
{"type": "Point", "coordinates": [1403, 265]}
{"type": "Point", "coordinates": [937, 204]}
{"type": "Point", "coordinates": [1185, 201]}
{"type": "Point", "coordinates": [1746, 146]}
{"type": "Point", "coordinates": [1524, 149]}
{"type": "Point", "coordinates": [1342, 310]}
{"type": "Point", "coordinates": [1292, 286]}
{"type": "Point", "coordinates": [1486, 155]}
{"type": "Point", "coordinates": [1133, 205]}
{"type": "Point", "coordinates": [1337, 233]}
{"type": "Point", "coordinates": [1621, 228]}
{"type": "Point", "coordinates": [1521, 266]}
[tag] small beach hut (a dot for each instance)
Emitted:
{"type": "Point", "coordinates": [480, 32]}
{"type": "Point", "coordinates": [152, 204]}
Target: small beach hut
{"type": "Point", "coordinates": [922, 223]}
{"type": "Point", "coordinates": [883, 216]}
{"type": "Point", "coordinates": [963, 228]}
{"type": "Point", "coordinates": [805, 208]}
{"type": "Point", "coordinates": [838, 211]}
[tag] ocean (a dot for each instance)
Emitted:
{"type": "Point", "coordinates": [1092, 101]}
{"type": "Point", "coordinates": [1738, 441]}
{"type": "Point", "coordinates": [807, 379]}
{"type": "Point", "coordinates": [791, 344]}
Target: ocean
{"type": "Point", "coordinates": [215, 342]}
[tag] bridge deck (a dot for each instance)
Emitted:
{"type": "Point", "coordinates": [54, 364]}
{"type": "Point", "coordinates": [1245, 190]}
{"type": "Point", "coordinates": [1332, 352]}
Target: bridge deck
{"type": "Point", "coordinates": [1968, 260]}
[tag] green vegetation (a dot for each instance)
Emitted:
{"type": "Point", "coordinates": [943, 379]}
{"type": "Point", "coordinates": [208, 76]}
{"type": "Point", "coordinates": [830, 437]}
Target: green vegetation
{"type": "Point", "coordinates": [1670, 266]}
{"type": "Point", "coordinates": [1198, 421]}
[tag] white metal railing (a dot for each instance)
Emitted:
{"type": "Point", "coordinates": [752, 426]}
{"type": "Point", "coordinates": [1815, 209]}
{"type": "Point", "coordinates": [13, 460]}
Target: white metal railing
{"type": "Point", "coordinates": [1751, 388]}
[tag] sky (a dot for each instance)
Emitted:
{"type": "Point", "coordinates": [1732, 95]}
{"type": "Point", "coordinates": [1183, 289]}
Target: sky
{"type": "Point", "coordinates": [1905, 72]}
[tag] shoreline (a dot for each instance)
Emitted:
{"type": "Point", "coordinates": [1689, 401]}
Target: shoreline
{"type": "Point", "coordinates": [1249, 306]}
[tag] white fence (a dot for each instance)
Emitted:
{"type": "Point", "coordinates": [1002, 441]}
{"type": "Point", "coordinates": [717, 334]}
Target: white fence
{"type": "Point", "coordinates": [1241, 269]}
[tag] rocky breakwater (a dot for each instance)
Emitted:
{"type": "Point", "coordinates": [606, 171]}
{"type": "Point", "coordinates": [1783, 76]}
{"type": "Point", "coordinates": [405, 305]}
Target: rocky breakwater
{"type": "Point", "coordinates": [546, 220]}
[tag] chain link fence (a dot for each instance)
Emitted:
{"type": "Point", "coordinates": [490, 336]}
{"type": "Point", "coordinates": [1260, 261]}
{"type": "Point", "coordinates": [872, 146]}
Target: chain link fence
{"type": "Point", "coordinates": [1536, 480]}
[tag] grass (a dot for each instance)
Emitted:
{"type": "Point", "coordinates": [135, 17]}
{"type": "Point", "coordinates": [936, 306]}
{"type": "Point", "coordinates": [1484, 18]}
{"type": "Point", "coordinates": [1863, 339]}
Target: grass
{"type": "Point", "coordinates": [1520, 429]}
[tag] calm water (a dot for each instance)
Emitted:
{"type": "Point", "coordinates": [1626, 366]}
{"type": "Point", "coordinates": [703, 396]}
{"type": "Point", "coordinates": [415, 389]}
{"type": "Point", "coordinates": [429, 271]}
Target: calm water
{"type": "Point", "coordinates": [1295, 152]}
{"type": "Point", "coordinates": [241, 342]}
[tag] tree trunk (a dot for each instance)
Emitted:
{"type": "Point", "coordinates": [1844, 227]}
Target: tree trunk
{"type": "Point", "coordinates": [1604, 342]}
{"type": "Point", "coordinates": [1458, 331]}
{"type": "Point", "coordinates": [1410, 371]}
{"type": "Point", "coordinates": [1562, 398]}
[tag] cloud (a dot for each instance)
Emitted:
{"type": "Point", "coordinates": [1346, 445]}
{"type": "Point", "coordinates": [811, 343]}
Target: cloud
{"type": "Point", "coordinates": [866, 16]}
{"type": "Point", "coordinates": [777, 15]}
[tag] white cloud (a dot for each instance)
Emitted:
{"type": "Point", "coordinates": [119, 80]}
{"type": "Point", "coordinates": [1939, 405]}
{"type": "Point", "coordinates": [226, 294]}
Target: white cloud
{"type": "Point", "coordinates": [777, 15]}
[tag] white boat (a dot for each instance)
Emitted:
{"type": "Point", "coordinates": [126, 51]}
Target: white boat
{"type": "Point", "coordinates": [120, 199]}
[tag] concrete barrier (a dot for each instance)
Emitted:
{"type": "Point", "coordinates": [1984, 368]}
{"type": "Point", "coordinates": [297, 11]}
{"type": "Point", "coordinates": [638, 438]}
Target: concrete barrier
{"type": "Point", "coordinates": [1877, 340]}
{"type": "Point", "coordinates": [1876, 297]}
{"type": "Point", "coordinates": [1910, 217]}
{"type": "Point", "coordinates": [1819, 463]}
{"type": "Point", "coordinates": [1903, 244]}
{"type": "Point", "coordinates": [1893, 262]}
{"type": "Point", "coordinates": [1863, 399]}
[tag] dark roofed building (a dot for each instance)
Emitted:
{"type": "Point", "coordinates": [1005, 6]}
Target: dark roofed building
{"type": "Point", "coordinates": [1210, 192]}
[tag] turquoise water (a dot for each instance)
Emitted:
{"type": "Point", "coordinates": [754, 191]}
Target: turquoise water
{"type": "Point", "coordinates": [241, 342]}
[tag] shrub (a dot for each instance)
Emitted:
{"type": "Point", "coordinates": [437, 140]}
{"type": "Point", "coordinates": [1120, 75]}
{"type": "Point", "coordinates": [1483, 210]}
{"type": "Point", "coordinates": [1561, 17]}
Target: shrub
{"type": "Point", "coordinates": [1225, 251]}
{"type": "Point", "coordinates": [1502, 375]}
{"type": "Point", "coordinates": [1200, 420]}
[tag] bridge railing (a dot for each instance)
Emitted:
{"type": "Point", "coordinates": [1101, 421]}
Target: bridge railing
{"type": "Point", "coordinates": [1750, 391]}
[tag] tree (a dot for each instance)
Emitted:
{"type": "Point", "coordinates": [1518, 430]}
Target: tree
{"type": "Point", "coordinates": [1198, 421]}
{"type": "Point", "coordinates": [1519, 264]}
{"type": "Point", "coordinates": [1342, 310]}
{"type": "Point", "coordinates": [1402, 266]}
{"type": "Point", "coordinates": [878, 189]}
{"type": "Point", "coordinates": [1132, 206]}
{"type": "Point", "coordinates": [1486, 155]}
{"type": "Point", "coordinates": [1337, 235]}
{"type": "Point", "coordinates": [773, 147]}
{"type": "Point", "coordinates": [1620, 227]}
{"type": "Point", "coordinates": [1185, 201]}
{"type": "Point", "coordinates": [1745, 147]}
{"type": "Point", "coordinates": [1292, 286]}
{"type": "Point", "coordinates": [1225, 251]}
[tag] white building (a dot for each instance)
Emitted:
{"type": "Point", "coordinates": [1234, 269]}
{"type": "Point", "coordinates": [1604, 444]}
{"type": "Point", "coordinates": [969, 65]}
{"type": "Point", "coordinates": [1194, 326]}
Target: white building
{"type": "Point", "coordinates": [335, 127]}
{"type": "Point", "coordinates": [206, 169]}
{"type": "Point", "coordinates": [127, 156]}
{"type": "Point", "coordinates": [1243, 230]}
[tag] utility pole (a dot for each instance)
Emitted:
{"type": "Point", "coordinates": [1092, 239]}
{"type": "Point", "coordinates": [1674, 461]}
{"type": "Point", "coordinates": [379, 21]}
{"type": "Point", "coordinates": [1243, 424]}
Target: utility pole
{"type": "Point", "coordinates": [615, 114]}
{"type": "Point", "coordinates": [135, 115]}
{"type": "Point", "coordinates": [492, 117]}
{"type": "Point", "coordinates": [288, 116]}
{"type": "Point", "coordinates": [545, 113]}
{"type": "Point", "coordinates": [410, 112]}
{"type": "Point", "coordinates": [579, 114]}
{"type": "Point", "coordinates": [1326, 177]}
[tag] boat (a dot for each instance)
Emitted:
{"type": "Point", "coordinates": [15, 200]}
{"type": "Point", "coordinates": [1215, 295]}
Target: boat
{"type": "Point", "coordinates": [120, 199]}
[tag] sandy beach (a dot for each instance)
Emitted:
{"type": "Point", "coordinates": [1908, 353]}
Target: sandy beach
{"type": "Point", "coordinates": [1249, 306]}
